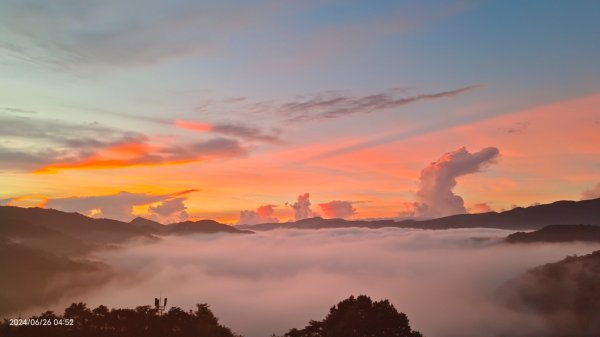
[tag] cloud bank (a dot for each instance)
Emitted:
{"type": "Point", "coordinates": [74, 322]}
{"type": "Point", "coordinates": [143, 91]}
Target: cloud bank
{"type": "Point", "coordinates": [162, 207]}
{"type": "Point", "coordinates": [272, 281]}
{"type": "Point", "coordinates": [47, 145]}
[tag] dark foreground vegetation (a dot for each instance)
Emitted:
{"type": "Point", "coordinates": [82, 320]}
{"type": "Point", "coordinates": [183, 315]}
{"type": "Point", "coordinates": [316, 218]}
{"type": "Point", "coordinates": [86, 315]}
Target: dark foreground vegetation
{"type": "Point", "coordinates": [142, 321]}
{"type": "Point", "coordinates": [352, 317]}
{"type": "Point", "coordinates": [359, 317]}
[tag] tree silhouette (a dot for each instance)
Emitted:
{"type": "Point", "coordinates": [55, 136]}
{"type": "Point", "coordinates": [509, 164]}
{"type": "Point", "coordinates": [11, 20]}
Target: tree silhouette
{"type": "Point", "coordinates": [141, 321]}
{"type": "Point", "coordinates": [359, 317]}
{"type": "Point", "coordinates": [352, 317]}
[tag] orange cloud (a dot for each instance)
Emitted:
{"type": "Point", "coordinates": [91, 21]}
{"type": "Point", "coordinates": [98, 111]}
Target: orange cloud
{"type": "Point", "coordinates": [142, 154]}
{"type": "Point", "coordinates": [34, 200]}
{"type": "Point", "coordinates": [96, 162]}
{"type": "Point", "coordinates": [194, 126]}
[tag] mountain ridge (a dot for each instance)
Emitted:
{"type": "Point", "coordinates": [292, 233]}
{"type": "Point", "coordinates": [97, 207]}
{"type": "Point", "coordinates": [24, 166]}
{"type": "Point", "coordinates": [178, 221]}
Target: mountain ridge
{"type": "Point", "coordinates": [558, 233]}
{"type": "Point", "coordinates": [29, 222]}
{"type": "Point", "coordinates": [563, 212]}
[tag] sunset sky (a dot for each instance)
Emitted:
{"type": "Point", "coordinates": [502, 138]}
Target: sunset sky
{"type": "Point", "coordinates": [376, 109]}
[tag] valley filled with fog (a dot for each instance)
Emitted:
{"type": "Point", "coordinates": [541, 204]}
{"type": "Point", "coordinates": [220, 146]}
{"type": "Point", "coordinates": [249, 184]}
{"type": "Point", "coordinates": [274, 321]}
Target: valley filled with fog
{"type": "Point", "coordinates": [446, 281]}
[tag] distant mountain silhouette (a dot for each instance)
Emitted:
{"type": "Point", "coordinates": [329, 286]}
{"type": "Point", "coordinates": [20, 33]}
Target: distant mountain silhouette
{"type": "Point", "coordinates": [145, 223]}
{"type": "Point", "coordinates": [201, 226]}
{"type": "Point", "coordinates": [186, 227]}
{"type": "Point", "coordinates": [318, 223]}
{"type": "Point", "coordinates": [558, 233]}
{"type": "Point", "coordinates": [81, 227]}
{"type": "Point", "coordinates": [41, 222]}
{"type": "Point", "coordinates": [533, 217]}
{"type": "Point", "coordinates": [565, 293]}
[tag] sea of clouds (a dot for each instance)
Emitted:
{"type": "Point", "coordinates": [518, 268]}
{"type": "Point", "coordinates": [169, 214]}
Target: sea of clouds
{"type": "Point", "coordinates": [446, 281]}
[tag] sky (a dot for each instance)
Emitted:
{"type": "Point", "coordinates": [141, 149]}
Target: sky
{"type": "Point", "coordinates": [261, 111]}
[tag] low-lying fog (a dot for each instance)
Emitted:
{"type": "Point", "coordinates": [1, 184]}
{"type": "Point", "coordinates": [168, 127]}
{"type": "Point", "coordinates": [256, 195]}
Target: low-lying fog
{"type": "Point", "coordinates": [269, 282]}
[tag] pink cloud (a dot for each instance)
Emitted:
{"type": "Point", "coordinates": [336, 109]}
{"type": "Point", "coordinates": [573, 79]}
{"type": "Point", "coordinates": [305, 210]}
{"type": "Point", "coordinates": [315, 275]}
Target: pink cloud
{"type": "Point", "coordinates": [302, 207]}
{"type": "Point", "coordinates": [263, 214]}
{"type": "Point", "coordinates": [592, 193]}
{"type": "Point", "coordinates": [480, 208]}
{"type": "Point", "coordinates": [338, 209]}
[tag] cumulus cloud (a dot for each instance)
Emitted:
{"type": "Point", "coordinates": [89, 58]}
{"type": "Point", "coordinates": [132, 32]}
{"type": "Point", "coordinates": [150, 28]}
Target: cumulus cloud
{"type": "Point", "coordinates": [328, 105]}
{"type": "Point", "coordinates": [172, 210]}
{"type": "Point", "coordinates": [263, 214]}
{"type": "Point", "coordinates": [338, 209]}
{"type": "Point", "coordinates": [120, 206]}
{"type": "Point", "coordinates": [482, 207]}
{"type": "Point", "coordinates": [435, 196]}
{"type": "Point", "coordinates": [302, 207]}
{"type": "Point", "coordinates": [272, 281]}
{"type": "Point", "coordinates": [248, 217]}
{"type": "Point", "coordinates": [592, 193]}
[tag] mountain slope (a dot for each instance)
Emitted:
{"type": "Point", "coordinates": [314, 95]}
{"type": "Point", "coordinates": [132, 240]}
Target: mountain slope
{"type": "Point", "coordinates": [558, 233]}
{"type": "Point", "coordinates": [40, 237]}
{"type": "Point", "coordinates": [35, 277]}
{"type": "Point", "coordinates": [533, 217]}
{"type": "Point", "coordinates": [41, 222]}
{"type": "Point", "coordinates": [75, 225]}
{"type": "Point", "coordinates": [202, 226]}
{"type": "Point", "coordinates": [566, 294]}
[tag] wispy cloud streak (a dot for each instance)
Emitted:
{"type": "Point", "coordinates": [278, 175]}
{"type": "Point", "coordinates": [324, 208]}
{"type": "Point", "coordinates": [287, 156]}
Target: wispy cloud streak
{"type": "Point", "coordinates": [230, 129]}
{"type": "Point", "coordinates": [325, 106]}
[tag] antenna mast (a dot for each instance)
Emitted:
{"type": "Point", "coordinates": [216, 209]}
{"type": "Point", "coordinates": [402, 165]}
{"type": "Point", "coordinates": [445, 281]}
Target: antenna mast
{"type": "Point", "coordinates": [158, 306]}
